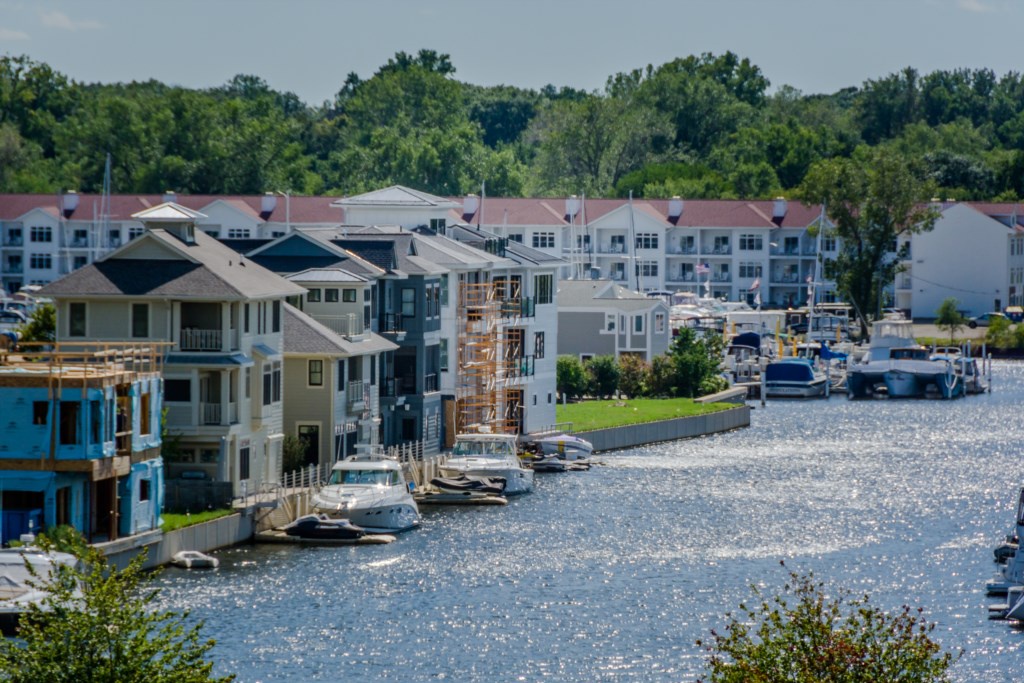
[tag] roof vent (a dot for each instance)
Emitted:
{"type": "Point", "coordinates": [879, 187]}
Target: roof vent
{"type": "Point", "coordinates": [675, 207]}
{"type": "Point", "coordinates": [779, 207]}
{"type": "Point", "coordinates": [470, 204]}
{"type": "Point", "coordinates": [572, 206]}
{"type": "Point", "coordinates": [169, 196]}
{"type": "Point", "coordinates": [69, 202]}
{"type": "Point", "coordinates": [268, 203]}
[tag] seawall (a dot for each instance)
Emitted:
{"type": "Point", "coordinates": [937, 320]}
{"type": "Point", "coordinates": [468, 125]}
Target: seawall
{"type": "Point", "coordinates": [629, 436]}
{"type": "Point", "coordinates": [218, 533]}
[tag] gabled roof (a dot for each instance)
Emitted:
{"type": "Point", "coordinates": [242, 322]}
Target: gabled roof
{"type": "Point", "coordinates": [397, 196]}
{"type": "Point", "coordinates": [516, 251]}
{"type": "Point", "coordinates": [305, 336]}
{"type": "Point", "coordinates": [326, 275]}
{"type": "Point", "coordinates": [601, 295]}
{"type": "Point", "coordinates": [168, 212]}
{"type": "Point", "coordinates": [205, 269]}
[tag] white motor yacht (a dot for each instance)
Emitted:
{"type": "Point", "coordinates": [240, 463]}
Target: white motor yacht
{"type": "Point", "coordinates": [18, 588]}
{"type": "Point", "coordinates": [371, 492]}
{"type": "Point", "coordinates": [489, 455]}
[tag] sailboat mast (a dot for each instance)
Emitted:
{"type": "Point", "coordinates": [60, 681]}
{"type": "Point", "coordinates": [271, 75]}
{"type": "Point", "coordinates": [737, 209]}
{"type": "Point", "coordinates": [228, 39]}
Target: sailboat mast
{"type": "Point", "coordinates": [632, 242]}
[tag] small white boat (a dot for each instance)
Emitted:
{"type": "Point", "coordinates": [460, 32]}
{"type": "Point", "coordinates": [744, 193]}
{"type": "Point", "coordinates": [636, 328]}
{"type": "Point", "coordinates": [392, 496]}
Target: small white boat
{"type": "Point", "coordinates": [565, 446]}
{"type": "Point", "coordinates": [371, 492]}
{"type": "Point", "coordinates": [489, 455]}
{"type": "Point", "coordinates": [193, 559]}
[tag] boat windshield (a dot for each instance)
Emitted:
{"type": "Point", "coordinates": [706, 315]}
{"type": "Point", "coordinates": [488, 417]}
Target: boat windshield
{"type": "Point", "coordinates": [466, 448]}
{"type": "Point", "coordinates": [375, 477]}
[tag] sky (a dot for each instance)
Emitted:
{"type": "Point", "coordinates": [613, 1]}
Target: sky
{"type": "Point", "coordinates": [309, 46]}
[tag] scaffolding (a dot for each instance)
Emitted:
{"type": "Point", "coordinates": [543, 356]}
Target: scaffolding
{"type": "Point", "coordinates": [489, 393]}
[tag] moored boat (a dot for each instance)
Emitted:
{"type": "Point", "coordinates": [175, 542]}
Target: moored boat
{"type": "Point", "coordinates": [489, 455]}
{"type": "Point", "coordinates": [794, 378]}
{"type": "Point", "coordinates": [371, 492]}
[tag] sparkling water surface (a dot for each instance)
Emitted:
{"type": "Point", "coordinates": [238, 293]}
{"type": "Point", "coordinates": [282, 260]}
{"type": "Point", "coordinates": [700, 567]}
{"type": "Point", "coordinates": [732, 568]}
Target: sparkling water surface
{"type": "Point", "coordinates": [615, 573]}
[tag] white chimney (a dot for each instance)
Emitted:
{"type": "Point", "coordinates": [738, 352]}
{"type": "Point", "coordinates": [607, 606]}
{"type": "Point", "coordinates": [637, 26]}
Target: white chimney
{"type": "Point", "coordinates": [70, 201]}
{"type": "Point", "coordinates": [572, 206]}
{"type": "Point", "coordinates": [169, 196]}
{"type": "Point", "coordinates": [470, 204]}
{"type": "Point", "coordinates": [779, 208]}
{"type": "Point", "coordinates": [675, 207]}
{"type": "Point", "coordinates": [268, 203]}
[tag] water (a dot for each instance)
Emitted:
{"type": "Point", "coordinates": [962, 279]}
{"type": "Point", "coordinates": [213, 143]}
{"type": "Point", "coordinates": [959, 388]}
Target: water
{"type": "Point", "coordinates": [613, 574]}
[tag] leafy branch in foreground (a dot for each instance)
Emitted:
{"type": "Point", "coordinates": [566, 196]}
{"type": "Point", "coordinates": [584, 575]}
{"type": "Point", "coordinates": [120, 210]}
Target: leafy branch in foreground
{"type": "Point", "coordinates": [804, 635]}
{"type": "Point", "coordinates": [98, 623]}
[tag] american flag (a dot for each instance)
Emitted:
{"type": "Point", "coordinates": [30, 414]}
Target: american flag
{"type": "Point", "coordinates": [702, 269]}
{"type": "Point", "coordinates": [755, 285]}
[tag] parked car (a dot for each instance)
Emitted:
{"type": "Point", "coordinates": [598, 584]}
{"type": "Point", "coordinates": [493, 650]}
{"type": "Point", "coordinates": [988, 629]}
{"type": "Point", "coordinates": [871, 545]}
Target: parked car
{"type": "Point", "coordinates": [984, 320]}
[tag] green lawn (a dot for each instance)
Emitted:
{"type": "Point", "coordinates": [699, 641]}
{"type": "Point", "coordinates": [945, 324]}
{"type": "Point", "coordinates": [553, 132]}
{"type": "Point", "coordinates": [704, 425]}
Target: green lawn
{"type": "Point", "coordinates": [588, 415]}
{"type": "Point", "coordinates": [174, 521]}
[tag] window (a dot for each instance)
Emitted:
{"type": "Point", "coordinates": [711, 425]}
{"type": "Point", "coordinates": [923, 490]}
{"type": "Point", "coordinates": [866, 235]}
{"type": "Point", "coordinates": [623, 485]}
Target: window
{"type": "Point", "coordinates": [41, 233]}
{"type": "Point", "coordinates": [135, 232]}
{"type": "Point", "coordinates": [750, 270]}
{"type": "Point", "coordinates": [543, 289]}
{"type": "Point", "coordinates": [243, 463]}
{"type": "Point", "coordinates": [515, 238]}
{"type": "Point", "coordinates": [444, 355]}
{"type": "Point", "coordinates": [76, 319]}
{"type": "Point", "coordinates": [444, 289]}
{"type": "Point", "coordinates": [609, 322]}
{"type": "Point", "coordinates": [313, 296]}
{"type": "Point", "coordinates": [95, 423]}
{"type": "Point", "coordinates": [331, 295]}
{"type": "Point", "coordinates": [277, 381]}
{"type": "Point", "coordinates": [80, 262]}
{"type": "Point", "coordinates": [14, 237]}
{"type": "Point", "coordinates": [341, 375]}
{"type": "Point", "coordinates": [212, 233]}
{"type": "Point", "coordinates": [316, 373]}
{"type": "Point", "coordinates": [618, 243]}
{"type": "Point", "coordinates": [40, 409]}
{"type": "Point", "coordinates": [268, 384]}
{"type": "Point", "coordinates": [722, 244]}
{"type": "Point", "coordinates": [649, 268]}
{"type": "Point", "coordinates": [177, 390]}
{"type": "Point", "coordinates": [408, 302]}
{"type": "Point", "coordinates": [750, 243]}
{"type": "Point", "coordinates": [438, 225]}
{"type": "Point", "coordinates": [40, 261]}
{"type": "Point", "coordinates": [277, 233]}
{"type": "Point", "coordinates": [659, 322]}
{"type": "Point", "coordinates": [69, 412]}
{"type": "Point", "coordinates": [277, 316]}
{"type": "Point", "coordinates": [647, 240]}
{"type": "Point", "coordinates": [238, 233]}
{"type": "Point", "coordinates": [408, 429]}
{"type": "Point", "coordinates": [638, 324]}
{"type": "Point", "coordinates": [543, 240]}
{"type": "Point", "coordinates": [143, 490]}
{"type": "Point", "coordinates": [246, 318]}
{"type": "Point", "coordinates": [114, 237]}
{"type": "Point", "coordinates": [538, 345]}
{"type": "Point", "coordinates": [140, 320]}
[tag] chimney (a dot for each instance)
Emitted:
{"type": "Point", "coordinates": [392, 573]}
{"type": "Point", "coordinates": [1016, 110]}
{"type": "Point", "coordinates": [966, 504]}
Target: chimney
{"type": "Point", "coordinates": [779, 209]}
{"type": "Point", "coordinates": [572, 206]}
{"type": "Point", "coordinates": [675, 207]}
{"type": "Point", "coordinates": [169, 196]}
{"type": "Point", "coordinates": [470, 204]}
{"type": "Point", "coordinates": [268, 203]}
{"type": "Point", "coordinates": [69, 202]}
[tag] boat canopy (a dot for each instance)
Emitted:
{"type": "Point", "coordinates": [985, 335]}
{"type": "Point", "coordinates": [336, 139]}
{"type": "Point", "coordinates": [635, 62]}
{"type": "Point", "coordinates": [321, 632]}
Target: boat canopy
{"type": "Point", "coordinates": [790, 370]}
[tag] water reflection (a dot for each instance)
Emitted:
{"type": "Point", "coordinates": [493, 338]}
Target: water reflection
{"type": "Point", "coordinates": [613, 574]}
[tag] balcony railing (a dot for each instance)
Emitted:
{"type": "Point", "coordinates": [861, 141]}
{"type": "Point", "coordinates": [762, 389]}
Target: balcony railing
{"type": "Point", "coordinates": [785, 278]}
{"type": "Point", "coordinates": [393, 323]}
{"type": "Point", "coordinates": [523, 307]}
{"type": "Point", "coordinates": [13, 241]}
{"type": "Point", "coordinates": [677, 251]}
{"type": "Point", "coordinates": [785, 251]}
{"type": "Point", "coordinates": [209, 413]}
{"type": "Point", "coordinates": [356, 394]}
{"type": "Point", "coordinates": [430, 382]}
{"type": "Point", "coordinates": [721, 277]}
{"type": "Point", "coordinates": [13, 268]}
{"type": "Point", "coordinates": [193, 339]}
{"type": "Point", "coordinates": [611, 249]}
{"type": "Point", "coordinates": [618, 276]}
{"type": "Point", "coordinates": [521, 367]}
{"type": "Point", "coordinates": [349, 324]}
{"type": "Point", "coordinates": [717, 251]}
{"type": "Point", "coordinates": [388, 388]}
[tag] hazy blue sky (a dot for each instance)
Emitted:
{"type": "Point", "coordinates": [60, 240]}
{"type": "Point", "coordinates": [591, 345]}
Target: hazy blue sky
{"type": "Point", "coordinates": [308, 46]}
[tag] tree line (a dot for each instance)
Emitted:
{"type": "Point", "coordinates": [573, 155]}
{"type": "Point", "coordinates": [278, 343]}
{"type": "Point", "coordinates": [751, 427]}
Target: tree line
{"type": "Point", "coordinates": [702, 126]}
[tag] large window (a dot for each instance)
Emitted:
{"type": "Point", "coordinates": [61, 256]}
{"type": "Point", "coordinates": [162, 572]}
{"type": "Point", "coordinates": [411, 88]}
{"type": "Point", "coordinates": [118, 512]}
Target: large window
{"type": "Point", "coordinates": [40, 261]}
{"type": "Point", "coordinates": [243, 463]}
{"type": "Point", "coordinates": [331, 295]}
{"type": "Point", "coordinates": [41, 233]}
{"type": "Point", "coordinates": [140, 321]}
{"type": "Point", "coordinates": [76, 319]}
{"type": "Point", "coordinates": [177, 390]}
{"type": "Point", "coordinates": [750, 243]}
{"type": "Point", "coordinates": [543, 289]}
{"type": "Point", "coordinates": [649, 268]}
{"type": "Point", "coordinates": [408, 302]}
{"type": "Point", "coordinates": [828, 242]}
{"type": "Point", "coordinates": [750, 270]}
{"type": "Point", "coordinates": [538, 345]}
{"type": "Point", "coordinates": [313, 296]}
{"type": "Point", "coordinates": [647, 240]}
{"type": "Point", "coordinates": [348, 295]}
{"type": "Point", "coordinates": [277, 316]}
{"type": "Point", "coordinates": [543, 240]}
{"type": "Point", "coordinates": [238, 233]}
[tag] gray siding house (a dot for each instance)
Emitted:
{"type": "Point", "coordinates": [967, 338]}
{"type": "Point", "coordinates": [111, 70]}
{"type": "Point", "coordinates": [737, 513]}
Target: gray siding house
{"type": "Point", "coordinates": [599, 317]}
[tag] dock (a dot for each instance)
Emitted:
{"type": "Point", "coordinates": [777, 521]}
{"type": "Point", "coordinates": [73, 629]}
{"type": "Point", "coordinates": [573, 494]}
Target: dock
{"type": "Point", "coordinates": [461, 498]}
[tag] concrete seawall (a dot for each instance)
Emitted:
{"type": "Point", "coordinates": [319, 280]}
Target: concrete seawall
{"type": "Point", "coordinates": [667, 430]}
{"type": "Point", "coordinates": [217, 533]}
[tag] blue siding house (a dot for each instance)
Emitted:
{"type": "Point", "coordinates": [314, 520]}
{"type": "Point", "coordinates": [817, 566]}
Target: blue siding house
{"type": "Point", "coordinates": [80, 441]}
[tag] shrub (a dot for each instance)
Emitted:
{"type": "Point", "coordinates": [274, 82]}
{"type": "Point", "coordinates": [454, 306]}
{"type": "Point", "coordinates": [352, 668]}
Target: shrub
{"type": "Point", "coordinates": [570, 377]}
{"type": "Point", "coordinates": [634, 376]}
{"type": "Point", "coordinates": [603, 376]}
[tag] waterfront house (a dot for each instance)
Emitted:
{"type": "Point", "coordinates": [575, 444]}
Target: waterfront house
{"type": "Point", "coordinates": [602, 318]}
{"type": "Point", "coordinates": [222, 317]}
{"type": "Point", "coordinates": [81, 440]}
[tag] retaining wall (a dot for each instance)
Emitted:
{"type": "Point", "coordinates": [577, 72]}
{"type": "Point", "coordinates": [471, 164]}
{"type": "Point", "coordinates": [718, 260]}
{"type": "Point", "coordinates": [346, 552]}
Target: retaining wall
{"type": "Point", "coordinates": [218, 533]}
{"type": "Point", "coordinates": [667, 430]}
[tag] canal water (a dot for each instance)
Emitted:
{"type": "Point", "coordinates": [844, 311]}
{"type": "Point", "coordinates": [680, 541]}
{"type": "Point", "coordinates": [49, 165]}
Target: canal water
{"type": "Point", "coordinates": [613, 574]}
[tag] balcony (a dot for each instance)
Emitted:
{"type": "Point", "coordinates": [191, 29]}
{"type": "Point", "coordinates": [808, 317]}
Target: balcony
{"type": "Point", "coordinates": [13, 241]}
{"type": "Point", "coordinates": [193, 339]}
{"type": "Point", "coordinates": [524, 307]}
{"type": "Point", "coordinates": [793, 250]}
{"type": "Point", "coordinates": [785, 279]}
{"type": "Point", "coordinates": [721, 250]}
{"type": "Point", "coordinates": [430, 383]}
{"type": "Point", "coordinates": [348, 325]}
{"type": "Point", "coordinates": [393, 323]}
{"type": "Point", "coordinates": [520, 367]}
{"type": "Point", "coordinates": [355, 394]}
{"type": "Point", "coordinates": [721, 277]}
{"type": "Point", "coordinates": [13, 268]}
{"type": "Point", "coordinates": [210, 413]}
{"type": "Point", "coordinates": [611, 249]}
{"type": "Point", "coordinates": [681, 251]}
{"type": "Point", "coordinates": [389, 388]}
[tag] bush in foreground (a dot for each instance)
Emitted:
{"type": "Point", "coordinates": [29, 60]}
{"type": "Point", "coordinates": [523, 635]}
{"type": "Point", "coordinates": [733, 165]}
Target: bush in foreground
{"type": "Point", "coordinates": [97, 623]}
{"type": "Point", "coordinates": [803, 635]}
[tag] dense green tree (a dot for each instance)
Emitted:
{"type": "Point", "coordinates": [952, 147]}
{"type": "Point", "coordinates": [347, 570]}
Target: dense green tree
{"type": "Point", "coordinates": [602, 376]}
{"type": "Point", "coordinates": [872, 201]}
{"type": "Point", "coordinates": [885, 106]}
{"type": "Point", "coordinates": [570, 377]}
{"type": "Point", "coordinates": [634, 376]}
{"type": "Point", "coordinates": [98, 623]}
{"type": "Point", "coordinates": [805, 634]}
{"type": "Point", "coordinates": [41, 325]}
{"type": "Point", "coordinates": [690, 367]}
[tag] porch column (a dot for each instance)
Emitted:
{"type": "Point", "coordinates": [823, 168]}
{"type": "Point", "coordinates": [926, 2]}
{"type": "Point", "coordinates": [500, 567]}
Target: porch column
{"type": "Point", "coordinates": [225, 327]}
{"type": "Point", "coordinates": [225, 388]}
